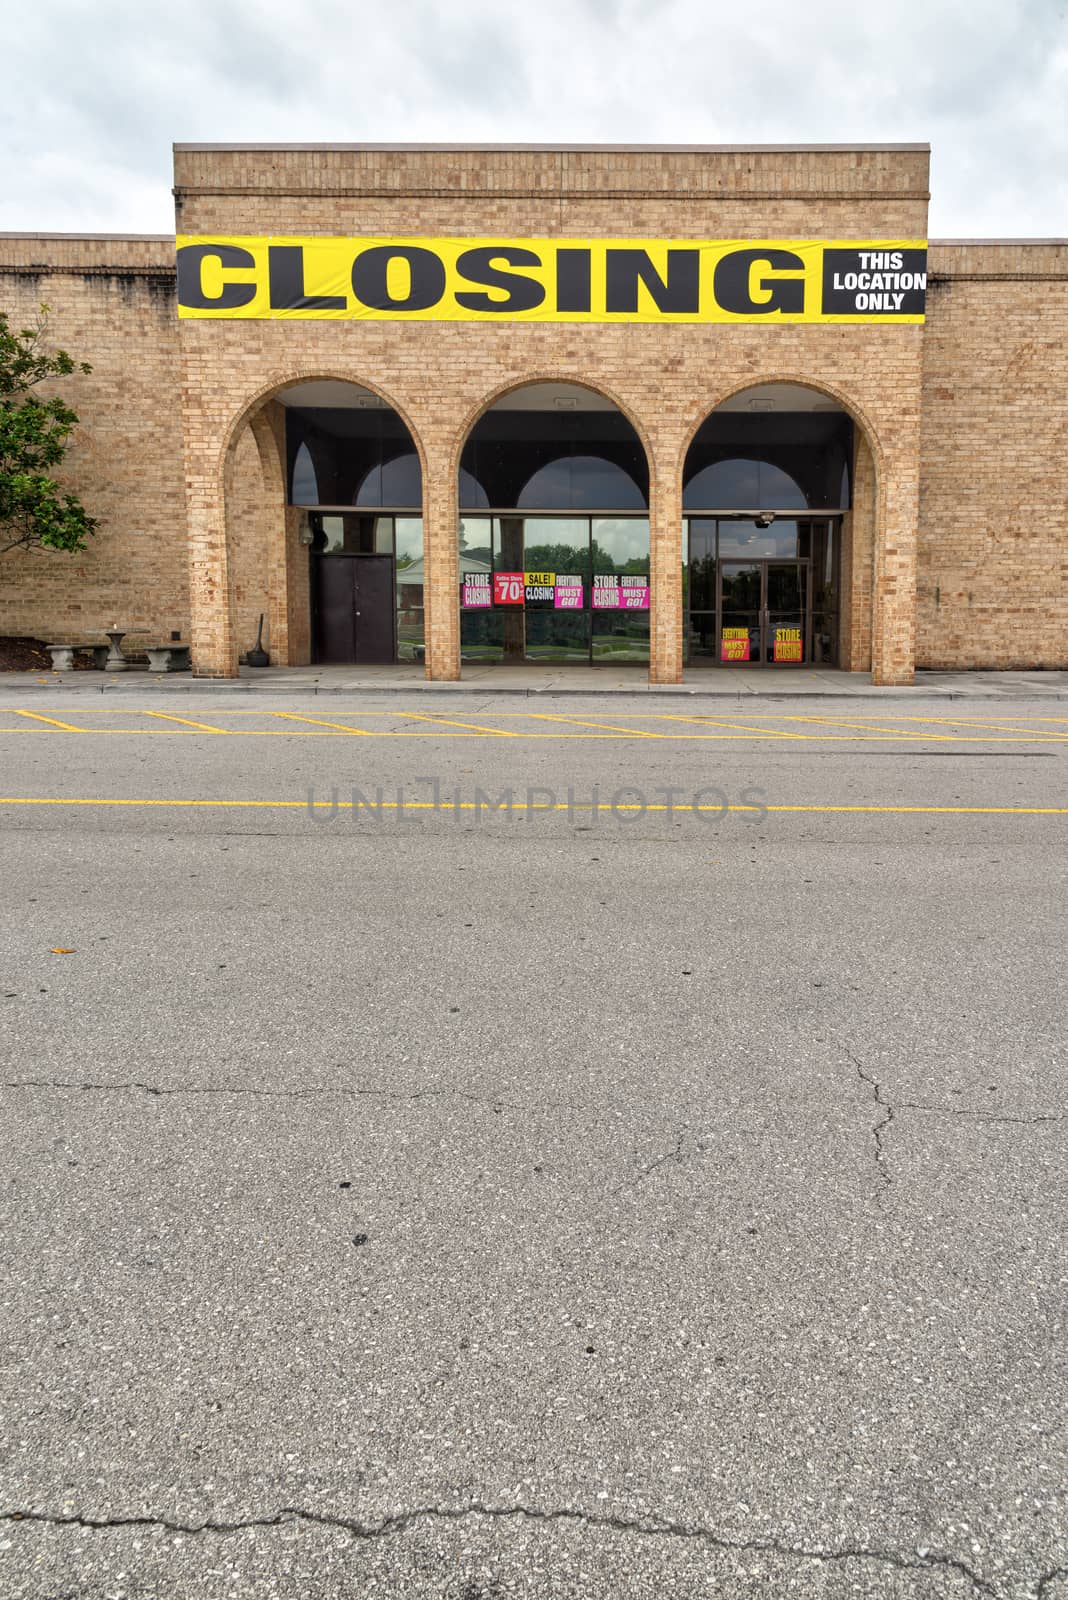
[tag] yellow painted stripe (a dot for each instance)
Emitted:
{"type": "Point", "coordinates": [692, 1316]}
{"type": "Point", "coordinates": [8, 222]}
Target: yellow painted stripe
{"type": "Point", "coordinates": [474, 727]}
{"type": "Point", "coordinates": [203, 727]}
{"type": "Point", "coordinates": [442, 729]}
{"type": "Point", "coordinates": [720, 722]}
{"type": "Point", "coordinates": [1005, 727]}
{"type": "Point", "coordinates": [605, 727]}
{"type": "Point", "coordinates": [317, 722]}
{"type": "Point", "coordinates": [67, 727]}
{"type": "Point", "coordinates": [866, 727]}
{"type": "Point", "coordinates": [470, 805]}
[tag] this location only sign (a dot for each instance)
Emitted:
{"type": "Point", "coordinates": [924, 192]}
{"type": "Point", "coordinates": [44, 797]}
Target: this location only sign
{"type": "Point", "coordinates": [766, 281]}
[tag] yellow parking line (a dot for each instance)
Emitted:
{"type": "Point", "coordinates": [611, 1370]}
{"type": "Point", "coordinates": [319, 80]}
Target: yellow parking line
{"type": "Point", "coordinates": [447, 722]}
{"type": "Point", "coordinates": [866, 727]}
{"type": "Point", "coordinates": [318, 722]}
{"type": "Point", "coordinates": [1005, 727]}
{"type": "Point", "coordinates": [605, 727]}
{"type": "Point", "coordinates": [67, 727]}
{"type": "Point", "coordinates": [204, 727]}
{"type": "Point", "coordinates": [718, 722]}
{"type": "Point", "coordinates": [469, 805]}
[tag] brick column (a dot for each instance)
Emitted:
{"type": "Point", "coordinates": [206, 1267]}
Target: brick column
{"type": "Point", "coordinates": [268, 430]}
{"type": "Point", "coordinates": [893, 644]}
{"type": "Point", "coordinates": [665, 576]}
{"type": "Point", "coordinates": [211, 611]}
{"type": "Point", "coordinates": [441, 564]}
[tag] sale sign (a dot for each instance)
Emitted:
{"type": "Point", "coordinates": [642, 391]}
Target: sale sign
{"type": "Point", "coordinates": [476, 590]}
{"type": "Point", "coordinates": [508, 588]}
{"type": "Point", "coordinates": [734, 644]}
{"type": "Point", "coordinates": [569, 594]}
{"type": "Point", "coordinates": [787, 645]}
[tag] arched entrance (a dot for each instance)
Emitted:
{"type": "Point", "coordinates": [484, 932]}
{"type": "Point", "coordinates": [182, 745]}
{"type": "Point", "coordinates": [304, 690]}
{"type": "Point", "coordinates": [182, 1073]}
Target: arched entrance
{"type": "Point", "coordinates": [768, 489]}
{"type": "Point", "coordinates": [554, 531]}
{"type": "Point", "coordinates": [354, 482]}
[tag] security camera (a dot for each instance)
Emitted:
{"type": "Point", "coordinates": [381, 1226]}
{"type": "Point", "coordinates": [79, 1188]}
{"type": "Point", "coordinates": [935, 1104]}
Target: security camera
{"type": "Point", "coordinates": [765, 519]}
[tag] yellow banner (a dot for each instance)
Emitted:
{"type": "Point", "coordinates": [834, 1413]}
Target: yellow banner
{"type": "Point", "coordinates": [553, 280]}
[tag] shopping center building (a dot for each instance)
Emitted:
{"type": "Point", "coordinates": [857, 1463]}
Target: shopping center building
{"type": "Point", "coordinates": [681, 407]}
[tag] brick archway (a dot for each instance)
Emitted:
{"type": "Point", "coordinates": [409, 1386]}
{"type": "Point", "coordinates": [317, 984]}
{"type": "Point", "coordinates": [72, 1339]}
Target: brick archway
{"type": "Point", "coordinates": [261, 563]}
{"type": "Point", "coordinates": [864, 594]}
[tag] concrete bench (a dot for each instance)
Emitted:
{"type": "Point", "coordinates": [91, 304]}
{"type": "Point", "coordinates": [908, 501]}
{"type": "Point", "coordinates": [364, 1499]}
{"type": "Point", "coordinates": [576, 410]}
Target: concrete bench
{"type": "Point", "coordinates": [63, 655]}
{"type": "Point", "coordinates": [168, 658]}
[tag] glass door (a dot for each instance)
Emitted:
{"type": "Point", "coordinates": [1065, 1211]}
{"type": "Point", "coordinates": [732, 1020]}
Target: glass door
{"type": "Point", "coordinates": [785, 611]}
{"type": "Point", "coordinates": [763, 612]}
{"type": "Point", "coordinates": [741, 608]}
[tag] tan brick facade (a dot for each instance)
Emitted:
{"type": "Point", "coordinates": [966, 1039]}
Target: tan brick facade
{"type": "Point", "coordinates": [954, 553]}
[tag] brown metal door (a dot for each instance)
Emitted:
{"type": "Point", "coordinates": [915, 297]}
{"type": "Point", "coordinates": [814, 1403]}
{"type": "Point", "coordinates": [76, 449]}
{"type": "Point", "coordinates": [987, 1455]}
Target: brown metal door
{"type": "Point", "coordinates": [374, 609]}
{"type": "Point", "coordinates": [334, 608]}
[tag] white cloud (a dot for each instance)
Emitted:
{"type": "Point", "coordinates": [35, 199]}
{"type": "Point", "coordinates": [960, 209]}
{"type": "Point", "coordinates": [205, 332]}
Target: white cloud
{"type": "Point", "coordinates": [94, 95]}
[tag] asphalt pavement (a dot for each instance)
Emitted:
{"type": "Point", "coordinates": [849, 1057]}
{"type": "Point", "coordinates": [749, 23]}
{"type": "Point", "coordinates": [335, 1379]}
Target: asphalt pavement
{"type": "Point", "coordinates": [581, 1149]}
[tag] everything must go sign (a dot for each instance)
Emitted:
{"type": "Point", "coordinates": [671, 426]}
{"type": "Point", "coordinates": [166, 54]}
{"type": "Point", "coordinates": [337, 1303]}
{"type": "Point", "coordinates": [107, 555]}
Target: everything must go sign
{"type": "Point", "coordinates": [553, 280]}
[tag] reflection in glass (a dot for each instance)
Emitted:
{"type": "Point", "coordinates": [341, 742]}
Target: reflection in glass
{"type": "Point", "coordinates": [746, 539]}
{"type": "Point", "coordinates": [556, 544]}
{"type": "Point", "coordinates": [745, 486]}
{"type": "Point", "coordinates": [620, 636]}
{"type": "Point", "coordinates": [348, 533]}
{"type": "Point", "coordinates": [702, 564]}
{"type": "Point", "coordinates": [572, 483]}
{"type": "Point", "coordinates": [342, 456]}
{"type": "Point", "coordinates": [471, 491]}
{"type": "Point", "coordinates": [539, 627]}
{"type": "Point", "coordinates": [773, 461]}
{"type": "Point", "coordinates": [554, 461]}
{"type": "Point", "coordinates": [305, 484]}
{"type": "Point", "coordinates": [408, 541]}
{"type": "Point", "coordinates": [392, 483]}
{"type": "Point", "coordinates": [411, 635]}
{"type": "Point", "coordinates": [481, 636]}
{"type": "Point", "coordinates": [620, 544]}
{"type": "Point", "coordinates": [557, 635]}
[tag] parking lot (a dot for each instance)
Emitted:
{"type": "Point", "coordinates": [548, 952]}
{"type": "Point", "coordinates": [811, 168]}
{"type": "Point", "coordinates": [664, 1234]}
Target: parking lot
{"type": "Point", "coordinates": [474, 1149]}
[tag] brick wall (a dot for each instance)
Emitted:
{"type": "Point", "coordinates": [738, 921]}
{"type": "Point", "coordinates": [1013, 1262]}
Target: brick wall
{"type": "Point", "coordinates": [441, 376]}
{"type": "Point", "coordinates": [961, 499]}
{"type": "Point", "coordinates": [993, 588]}
{"type": "Point", "coordinates": [112, 304]}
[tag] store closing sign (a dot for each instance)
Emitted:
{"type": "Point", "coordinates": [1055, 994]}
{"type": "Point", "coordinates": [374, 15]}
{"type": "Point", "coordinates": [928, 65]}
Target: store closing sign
{"type": "Point", "coordinates": [553, 280]}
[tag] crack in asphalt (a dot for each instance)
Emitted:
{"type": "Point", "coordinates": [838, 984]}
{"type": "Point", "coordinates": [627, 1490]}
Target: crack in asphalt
{"type": "Point", "coordinates": [495, 1103]}
{"type": "Point", "coordinates": [1054, 1575]}
{"type": "Point", "coordinates": [878, 1128]}
{"type": "Point", "coordinates": [917, 1560]}
{"type": "Point", "coordinates": [980, 1116]}
{"type": "Point", "coordinates": [676, 1154]}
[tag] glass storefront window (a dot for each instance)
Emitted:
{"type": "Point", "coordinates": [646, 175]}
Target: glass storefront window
{"type": "Point", "coordinates": [349, 533]}
{"type": "Point", "coordinates": [619, 637]}
{"type": "Point", "coordinates": [554, 588]}
{"type": "Point", "coordinates": [761, 594]}
{"type": "Point", "coordinates": [351, 455]}
{"type": "Point", "coordinates": [558, 460]}
{"type": "Point", "coordinates": [772, 460]}
{"type": "Point", "coordinates": [779, 541]}
{"type": "Point", "coordinates": [557, 635]}
{"type": "Point", "coordinates": [481, 636]}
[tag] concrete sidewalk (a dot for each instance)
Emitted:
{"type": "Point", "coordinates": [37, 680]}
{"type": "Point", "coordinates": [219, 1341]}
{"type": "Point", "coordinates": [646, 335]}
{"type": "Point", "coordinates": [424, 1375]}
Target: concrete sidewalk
{"type": "Point", "coordinates": [730, 683]}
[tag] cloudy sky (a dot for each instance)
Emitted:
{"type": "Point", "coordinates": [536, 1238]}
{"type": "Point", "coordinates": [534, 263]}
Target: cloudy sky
{"type": "Point", "coordinates": [94, 94]}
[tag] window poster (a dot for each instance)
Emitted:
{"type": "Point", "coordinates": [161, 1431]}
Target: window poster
{"type": "Point", "coordinates": [734, 644]}
{"type": "Point", "coordinates": [787, 645]}
{"type": "Point", "coordinates": [476, 590]}
{"type": "Point", "coordinates": [508, 588]}
{"type": "Point", "coordinates": [569, 593]}
{"type": "Point", "coordinates": [627, 593]}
